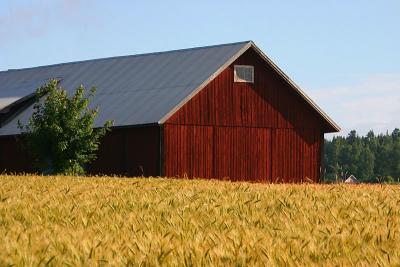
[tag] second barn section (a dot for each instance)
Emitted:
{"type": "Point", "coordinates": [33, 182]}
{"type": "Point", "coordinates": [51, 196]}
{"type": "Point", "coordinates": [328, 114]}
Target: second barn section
{"type": "Point", "coordinates": [224, 111]}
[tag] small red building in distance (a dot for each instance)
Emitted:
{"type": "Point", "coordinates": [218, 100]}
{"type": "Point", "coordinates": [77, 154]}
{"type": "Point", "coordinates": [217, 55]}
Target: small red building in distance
{"type": "Point", "coordinates": [224, 112]}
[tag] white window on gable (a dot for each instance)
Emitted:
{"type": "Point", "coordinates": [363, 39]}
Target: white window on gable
{"type": "Point", "coordinates": [243, 74]}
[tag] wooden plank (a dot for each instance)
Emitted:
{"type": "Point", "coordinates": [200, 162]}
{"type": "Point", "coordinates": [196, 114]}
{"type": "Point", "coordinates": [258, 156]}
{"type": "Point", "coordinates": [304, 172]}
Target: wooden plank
{"type": "Point", "coordinates": [253, 123]}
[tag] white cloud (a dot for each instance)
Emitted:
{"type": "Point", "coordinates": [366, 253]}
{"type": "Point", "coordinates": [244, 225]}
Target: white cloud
{"type": "Point", "coordinates": [25, 21]}
{"type": "Point", "coordinates": [372, 103]}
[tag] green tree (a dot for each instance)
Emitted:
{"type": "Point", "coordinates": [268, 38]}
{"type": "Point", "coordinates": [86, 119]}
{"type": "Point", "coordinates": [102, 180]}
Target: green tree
{"type": "Point", "coordinates": [395, 155]}
{"type": "Point", "coordinates": [396, 133]}
{"type": "Point", "coordinates": [60, 133]}
{"type": "Point", "coordinates": [383, 156]}
{"type": "Point", "coordinates": [368, 158]}
{"type": "Point", "coordinates": [366, 164]}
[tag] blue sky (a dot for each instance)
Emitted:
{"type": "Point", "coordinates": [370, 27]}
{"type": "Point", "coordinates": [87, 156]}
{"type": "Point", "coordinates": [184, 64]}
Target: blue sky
{"type": "Point", "coordinates": [344, 54]}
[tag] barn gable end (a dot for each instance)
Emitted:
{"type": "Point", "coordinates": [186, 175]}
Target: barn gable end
{"type": "Point", "coordinates": [268, 102]}
{"type": "Point", "coordinates": [268, 130]}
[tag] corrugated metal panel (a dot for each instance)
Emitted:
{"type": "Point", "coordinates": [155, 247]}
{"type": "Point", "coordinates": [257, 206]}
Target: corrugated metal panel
{"type": "Point", "coordinates": [16, 92]}
{"type": "Point", "coordinates": [132, 90]}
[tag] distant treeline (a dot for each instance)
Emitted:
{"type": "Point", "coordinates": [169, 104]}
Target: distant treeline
{"type": "Point", "coordinates": [370, 158]}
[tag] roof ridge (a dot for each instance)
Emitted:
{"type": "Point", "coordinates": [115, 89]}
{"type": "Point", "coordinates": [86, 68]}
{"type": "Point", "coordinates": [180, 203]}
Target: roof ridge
{"type": "Point", "coordinates": [127, 56]}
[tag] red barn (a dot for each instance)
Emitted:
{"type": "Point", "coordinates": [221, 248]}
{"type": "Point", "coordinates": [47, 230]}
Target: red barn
{"type": "Point", "coordinates": [224, 111]}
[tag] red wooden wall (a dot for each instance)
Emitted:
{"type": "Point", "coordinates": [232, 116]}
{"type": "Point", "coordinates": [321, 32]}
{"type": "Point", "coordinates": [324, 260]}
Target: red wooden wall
{"type": "Point", "coordinates": [13, 158]}
{"type": "Point", "coordinates": [130, 152]}
{"type": "Point", "coordinates": [127, 151]}
{"type": "Point", "coordinates": [260, 131]}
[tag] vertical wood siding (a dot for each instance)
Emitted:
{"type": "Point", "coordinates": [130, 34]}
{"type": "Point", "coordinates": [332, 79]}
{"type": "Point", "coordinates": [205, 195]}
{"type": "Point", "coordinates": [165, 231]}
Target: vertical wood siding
{"type": "Point", "coordinates": [128, 151]}
{"type": "Point", "coordinates": [295, 155]}
{"type": "Point", "coordinates": [260, 131]}
{"type": "Point", "coordinates": [13, 159]}
{"type": "Point", "coordinates": [241, 153]}
{"type": "Point", "coordinates": [217, 152]}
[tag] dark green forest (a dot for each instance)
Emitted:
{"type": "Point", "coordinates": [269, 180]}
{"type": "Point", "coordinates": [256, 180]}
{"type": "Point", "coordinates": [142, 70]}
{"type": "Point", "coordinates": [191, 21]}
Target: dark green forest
{"type": "Point", "coordinates": [371, 158]}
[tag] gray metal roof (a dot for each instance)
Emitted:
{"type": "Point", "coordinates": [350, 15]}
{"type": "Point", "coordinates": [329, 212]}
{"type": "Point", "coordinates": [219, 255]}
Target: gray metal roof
{"type": "Point", "coordinates": [138, 89]}
{"type": "Point", "coordinates": [131, 90]}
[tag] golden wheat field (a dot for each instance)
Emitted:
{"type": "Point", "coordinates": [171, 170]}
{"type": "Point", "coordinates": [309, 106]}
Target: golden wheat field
{"type": "Point", "coordinates": [153, 221]}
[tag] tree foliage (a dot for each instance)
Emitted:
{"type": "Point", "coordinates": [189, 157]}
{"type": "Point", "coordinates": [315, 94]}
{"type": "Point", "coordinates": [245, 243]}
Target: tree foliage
{"type": "Point", "coordinates": [60, 133]}
{"type": "Point", "coordinates": [369, 158]}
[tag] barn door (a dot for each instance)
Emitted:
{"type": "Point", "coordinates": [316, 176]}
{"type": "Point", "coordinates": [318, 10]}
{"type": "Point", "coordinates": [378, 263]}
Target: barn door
{"type": "Point", "coordinates": [242, 153]}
